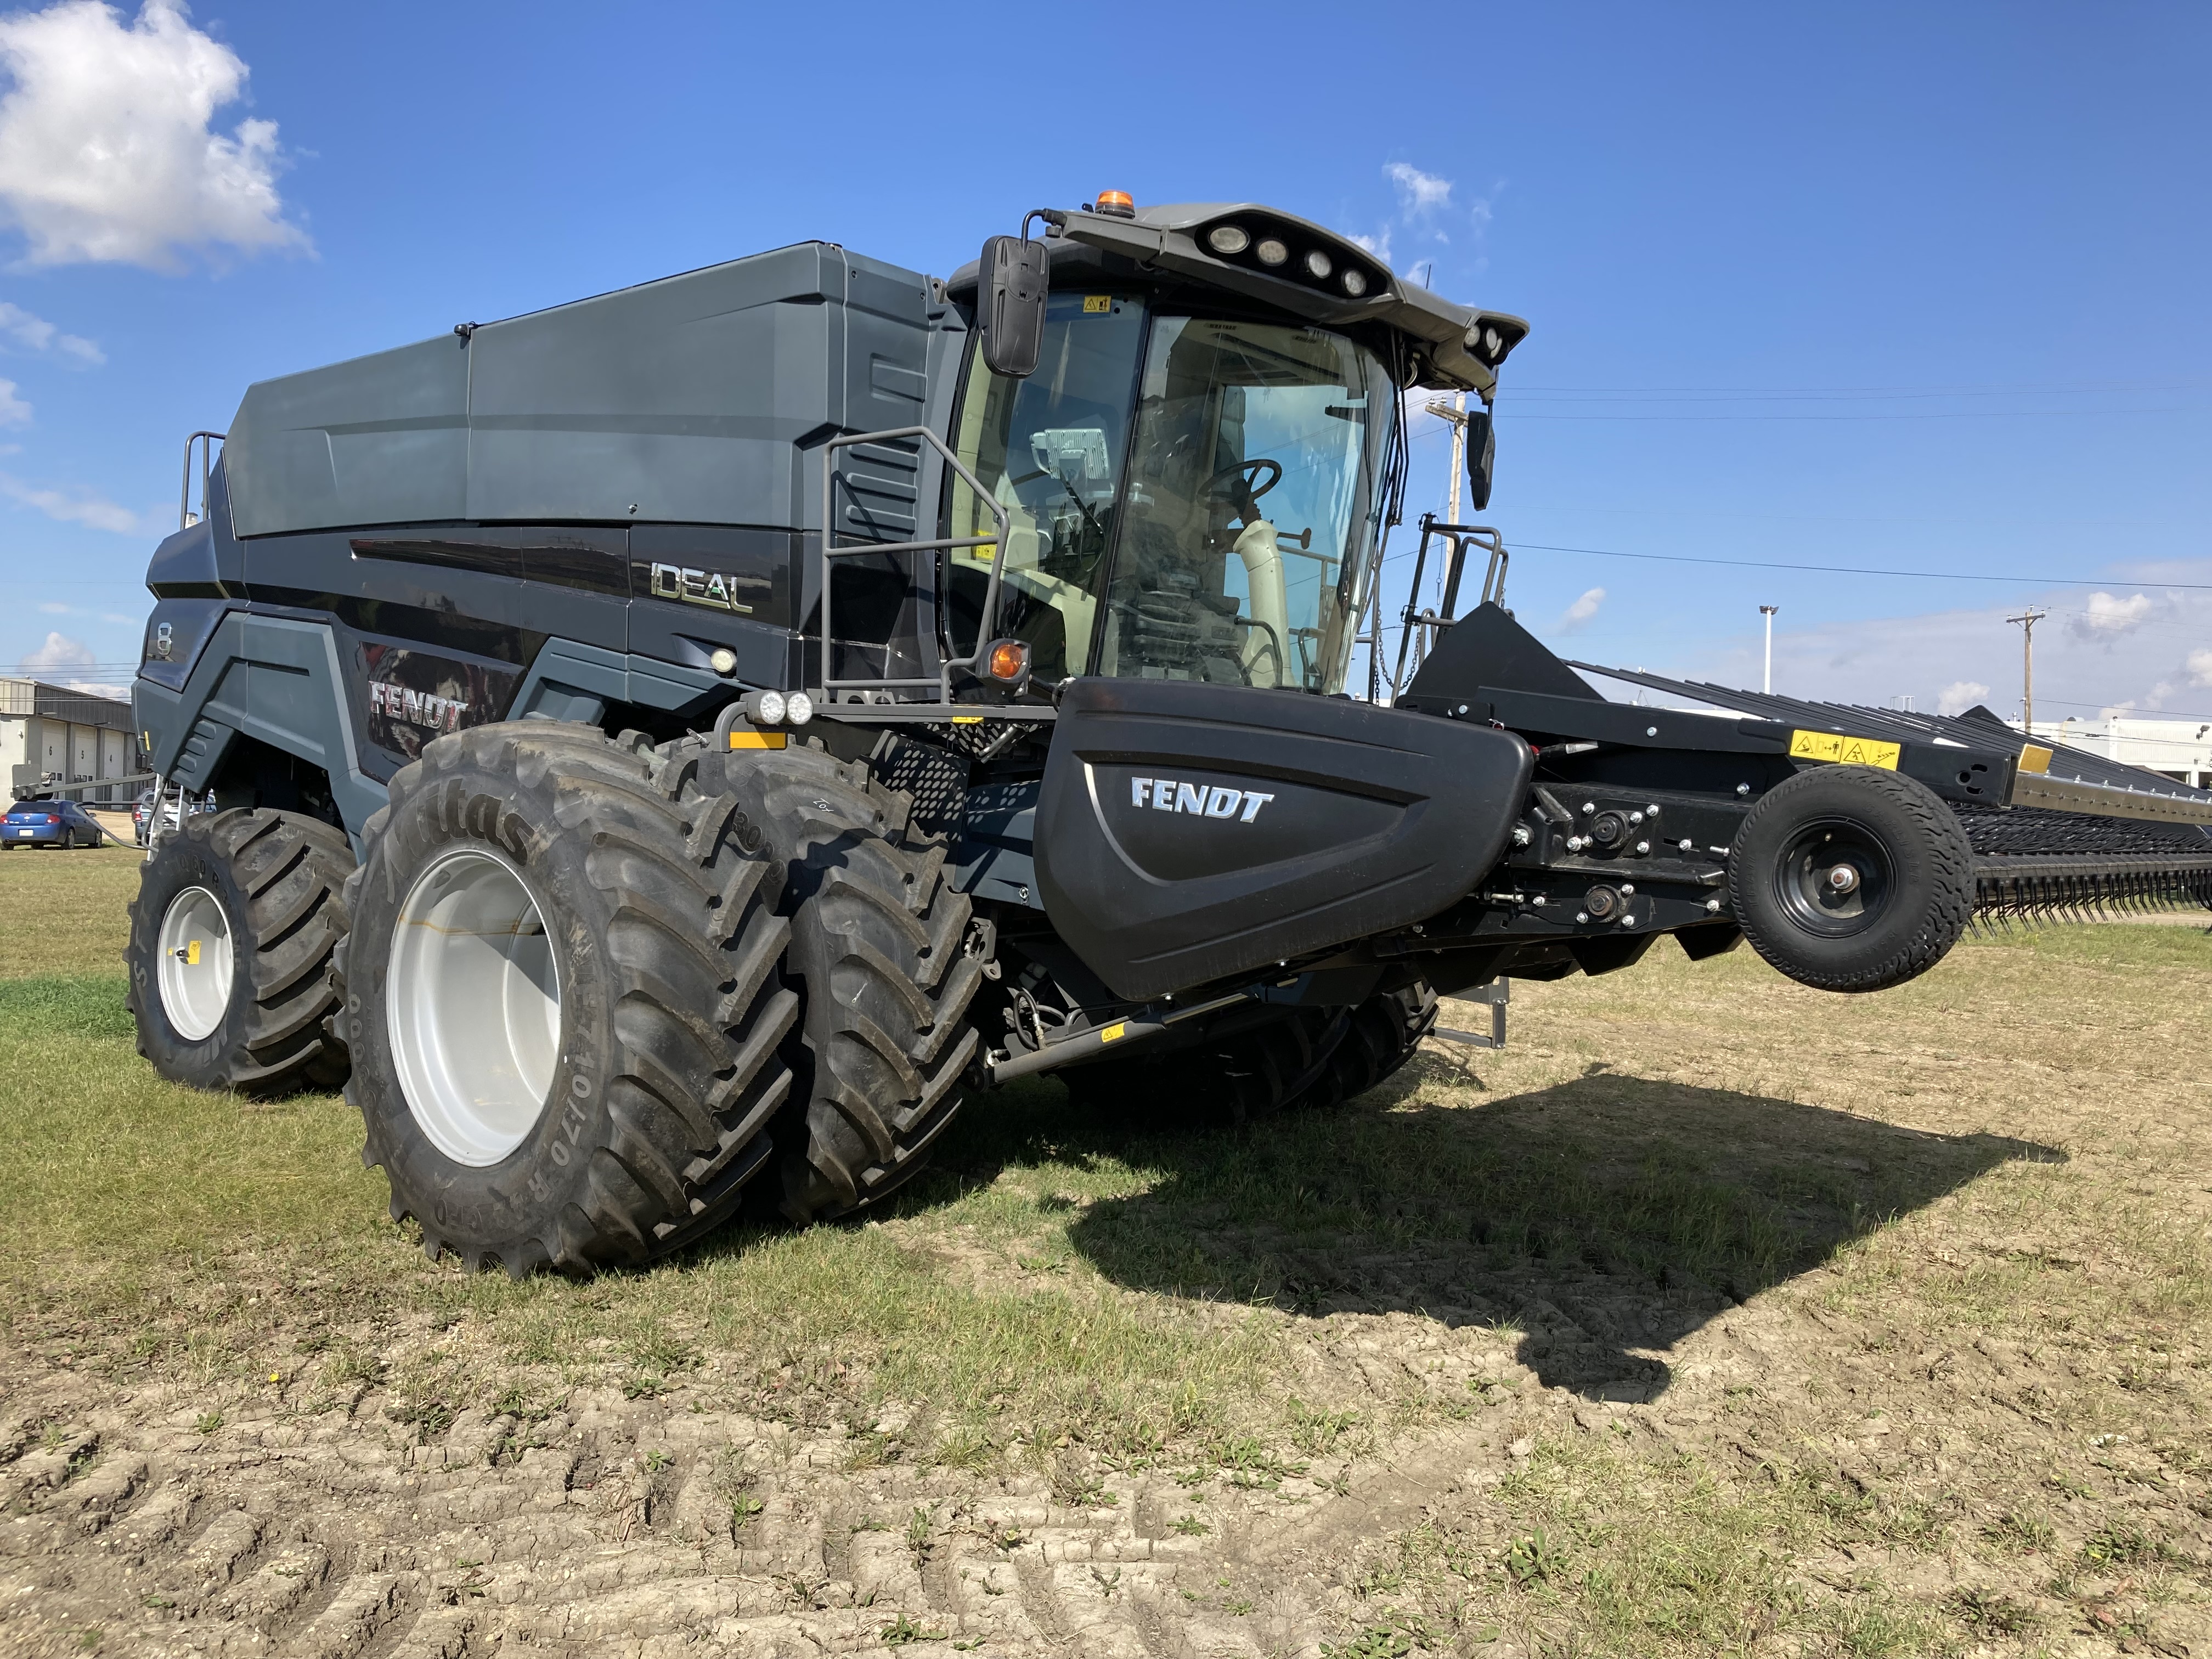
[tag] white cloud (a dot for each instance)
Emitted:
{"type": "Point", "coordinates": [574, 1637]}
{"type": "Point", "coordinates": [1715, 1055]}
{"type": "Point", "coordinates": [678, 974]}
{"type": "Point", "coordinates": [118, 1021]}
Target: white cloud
{"type": "Point", "coordinates": [1378, 246]}
{"type": "Point", "coordinates": [37, 334]}
{"type": "Point", "coordinates": [53, 609]}
{"type": "Point", "coordinates": [59, 652]}
{"type": "Point", "coordinates": [1582, 610]}
{"type": "Point", "coordinates": [94, 512]}
{"type": "Point", "coordinates": [1419, 194]}
{"type": "Point", "coordinates": [106, 146]}
{"type": "Point", "coordinates": [2109, 617]}
{"type": "Point", "coordinates": [2200, 668]}
{"type": "Point", "coordinates": [1959, 695]}
{"type": "Point", "coordinates": [13, 411]}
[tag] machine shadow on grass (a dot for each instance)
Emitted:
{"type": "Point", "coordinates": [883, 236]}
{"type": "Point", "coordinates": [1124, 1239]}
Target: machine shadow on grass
{"type": "Point", "coordinates": [1599, 1216]}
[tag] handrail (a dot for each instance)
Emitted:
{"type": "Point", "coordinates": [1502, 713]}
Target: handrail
{"type": "Point", "coordinates": [1493, 584]}
{"type": "Point", "coordinates": [984, 634]}
{"type": "Point", "coordinates": [186, 518]}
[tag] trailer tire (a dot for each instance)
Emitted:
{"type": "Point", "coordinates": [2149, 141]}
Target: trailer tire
{"type": "Point", "coordinates": [1852, 877]}
{"type": "Point", "coordinates": [887, 955]}
{"type": "Point", "coordinates": [273, 884]}
{"type": "Point", "coordinates": [598, 1099]}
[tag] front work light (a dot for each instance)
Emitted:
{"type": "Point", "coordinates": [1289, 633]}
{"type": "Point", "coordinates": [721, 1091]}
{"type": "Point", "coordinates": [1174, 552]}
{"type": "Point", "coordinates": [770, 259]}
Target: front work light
{"type": "Point", "coordinates": [1272, 251]}
{"type": "Point", "coordinates": [1355, 283]}
{"type": "Point", "coordinates": [1228, 238]}
{"type": "Point", "coordinates": [768, 707]}
{"type": "Point", "coordinates": [1318, 264]}
{"type": "Point", "coordinates": [799, 708]}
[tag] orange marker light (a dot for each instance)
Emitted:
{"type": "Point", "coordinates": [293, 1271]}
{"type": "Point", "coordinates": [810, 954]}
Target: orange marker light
{"type": "Point", "coordinates": [1117, 203]}
{"type": "Point", "coordinates": [1010, 660]}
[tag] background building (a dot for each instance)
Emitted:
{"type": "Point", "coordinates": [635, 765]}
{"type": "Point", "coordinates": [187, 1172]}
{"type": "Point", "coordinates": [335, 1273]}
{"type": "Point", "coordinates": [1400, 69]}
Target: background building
{"type": "Point", "coordinates": [51, 735]}
{"type": "Point", "coordinates": [2182, 750]}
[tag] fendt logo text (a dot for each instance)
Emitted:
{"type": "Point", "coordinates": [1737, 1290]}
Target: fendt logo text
{"type": "Point", "coordinates": [416, 708]}
{"type": "Point", "coordinates": [1217, 801]}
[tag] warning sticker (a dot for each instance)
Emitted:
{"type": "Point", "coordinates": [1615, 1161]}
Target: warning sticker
{"type": "Point", "coordinates": [1847, 751]}
{"type": "Point", "coordinates": [1095, 303]}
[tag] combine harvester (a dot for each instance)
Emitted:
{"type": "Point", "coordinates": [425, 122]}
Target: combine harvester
{"type": "Point", "coordinates": [672, 746]}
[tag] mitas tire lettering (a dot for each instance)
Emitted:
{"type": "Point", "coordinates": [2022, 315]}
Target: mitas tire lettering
{"type": "Point", "coordinates": [667, 1073]}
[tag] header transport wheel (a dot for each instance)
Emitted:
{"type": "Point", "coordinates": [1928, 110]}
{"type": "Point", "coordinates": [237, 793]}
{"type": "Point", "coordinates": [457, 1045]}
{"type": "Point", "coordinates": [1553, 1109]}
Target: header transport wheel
{"type": "Point", "coordinates": [1852, 877]}
{"type": "Point", "coordinates": [563, 998]}
{"type": "Point", "coordinates": [231, 938]}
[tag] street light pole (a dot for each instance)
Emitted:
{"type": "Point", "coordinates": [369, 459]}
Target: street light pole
{"type": "Point", "coordinates": [1767, 612]}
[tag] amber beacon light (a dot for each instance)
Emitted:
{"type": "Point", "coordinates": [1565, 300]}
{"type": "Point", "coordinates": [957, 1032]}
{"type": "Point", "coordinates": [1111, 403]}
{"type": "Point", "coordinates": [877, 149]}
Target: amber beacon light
{"type": "Point", "coordinates": [1116, 204]}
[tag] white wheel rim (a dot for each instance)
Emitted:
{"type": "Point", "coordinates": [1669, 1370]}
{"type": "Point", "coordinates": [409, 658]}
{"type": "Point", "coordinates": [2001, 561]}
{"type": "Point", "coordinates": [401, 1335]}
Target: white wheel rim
{"type": "Point", "coordinates": [196, 962]}
{"type": "Point", "coordinates": [473, 1002]}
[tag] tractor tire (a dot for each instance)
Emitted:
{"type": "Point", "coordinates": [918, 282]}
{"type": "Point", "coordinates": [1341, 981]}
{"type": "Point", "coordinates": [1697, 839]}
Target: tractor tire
{"type": "Point", "coordinates": [887, 955]}
{"type": "Point", "coordinates": [1312, 1060]}
{"type": "Point", "coordinates": [1851, 877]}
{"type": "Point", "coordinates": [563, 998]}
{"type": "Point", "coordinates": [256, 900]}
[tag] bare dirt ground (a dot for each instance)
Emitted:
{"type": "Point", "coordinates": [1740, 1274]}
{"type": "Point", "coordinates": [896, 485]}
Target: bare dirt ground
{"type": "Point", "coordinates": [1715, 1316]}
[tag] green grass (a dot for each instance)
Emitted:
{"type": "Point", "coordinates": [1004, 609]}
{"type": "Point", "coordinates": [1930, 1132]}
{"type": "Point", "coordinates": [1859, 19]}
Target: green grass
{"type": "Point", "coordinates": [2013, 1148]}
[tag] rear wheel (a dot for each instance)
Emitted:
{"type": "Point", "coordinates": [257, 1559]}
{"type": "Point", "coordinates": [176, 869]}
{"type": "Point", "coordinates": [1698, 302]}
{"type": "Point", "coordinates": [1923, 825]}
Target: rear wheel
{"type": "Point", "coordinates": [1852, 877]}
{"type": "Point", "coordinates": [563, 998]}
{"type": "Point", "coordinates": [231, 940]}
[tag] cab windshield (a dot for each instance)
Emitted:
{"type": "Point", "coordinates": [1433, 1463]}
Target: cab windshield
{"type": "Point", "coordinates": [1187, 497]}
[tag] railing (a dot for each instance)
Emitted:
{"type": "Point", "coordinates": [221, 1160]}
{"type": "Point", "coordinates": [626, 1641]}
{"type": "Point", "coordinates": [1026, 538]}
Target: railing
{"type": "Point", "coordinates": [942, 682]}
{"type": "Point", "coordinates": [1422, 628]}
{"type": "Point", "coordinates": [206, 442]}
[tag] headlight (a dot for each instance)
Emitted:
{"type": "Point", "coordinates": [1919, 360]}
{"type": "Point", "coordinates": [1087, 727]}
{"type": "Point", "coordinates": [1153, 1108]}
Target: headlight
{"type": "Point", "coordinates": [770, 708]}
{"type": "Point", "coordinates": [1318, 264]}
{"type": "Point", "coordinates": [799, 708]}
{"type": "Point", "coordinates": [1355, 283]}
{"type": "Point", "coordinates": [1228, 238]}
{"type": "Point", "coordinates": [1272, 251]}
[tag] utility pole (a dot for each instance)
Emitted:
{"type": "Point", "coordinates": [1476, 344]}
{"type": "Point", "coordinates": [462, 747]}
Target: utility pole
{"type": "Point", "coordinates": [1456, 413]}
{"type": "Point", "coordinates": [2027, 620]}
{"type": "Point", "coordinates": [1767, 612]}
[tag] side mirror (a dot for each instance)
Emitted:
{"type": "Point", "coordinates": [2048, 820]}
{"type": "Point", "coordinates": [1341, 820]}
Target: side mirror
{"type": "Point", "coordinates": [1009, 291]}
{"type": "Point", "coordinates": [1481, 456]}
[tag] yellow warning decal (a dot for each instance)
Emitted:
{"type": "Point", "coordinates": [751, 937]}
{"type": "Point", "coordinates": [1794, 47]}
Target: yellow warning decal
{"type": "Point", "coordinates": [2034, 757]}
{"type": "Point", "coordinates": [192, 954]}
{"type": "Point", "coordinates": [1096, 302]}
{"type": "Point", "coordinates": [967, 719]}
{"type": "Point", "coordinates": [1115, 1032]}
{"type": "Point", "coordinates": [759, 739]}
{"type": "Point", "coordinates": [1846, 751]}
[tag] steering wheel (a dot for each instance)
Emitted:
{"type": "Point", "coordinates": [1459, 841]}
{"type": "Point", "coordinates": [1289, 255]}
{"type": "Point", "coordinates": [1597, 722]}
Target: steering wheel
{"type": "Point", "coordinates": [1244, 497]}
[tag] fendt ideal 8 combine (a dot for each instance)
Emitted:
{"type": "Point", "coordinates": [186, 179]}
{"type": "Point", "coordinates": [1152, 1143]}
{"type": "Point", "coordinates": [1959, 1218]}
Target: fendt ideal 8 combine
{"type": "Point", "coordinates": [671, 745]}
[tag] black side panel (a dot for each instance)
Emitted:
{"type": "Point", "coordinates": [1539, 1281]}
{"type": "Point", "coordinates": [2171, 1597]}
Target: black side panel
{"type": "Point", "coordinates": [1486, 647]}
{"type": "Point", "coordinates": [1190, 832]}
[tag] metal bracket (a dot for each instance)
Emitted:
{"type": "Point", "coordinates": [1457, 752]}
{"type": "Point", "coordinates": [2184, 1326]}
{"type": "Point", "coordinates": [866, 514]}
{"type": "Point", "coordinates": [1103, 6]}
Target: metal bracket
{"type": "Point", "coordinates": [1498, 992]}
{"type": "Point", "coordinates": [206, 442]}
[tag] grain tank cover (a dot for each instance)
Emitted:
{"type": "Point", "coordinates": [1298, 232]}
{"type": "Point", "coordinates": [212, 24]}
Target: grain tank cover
{"type": "Point", "coordinates": [684, 400]}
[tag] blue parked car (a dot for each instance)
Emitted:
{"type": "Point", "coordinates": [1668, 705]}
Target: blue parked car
{"type": "Point", "coordinates": [48, 823]}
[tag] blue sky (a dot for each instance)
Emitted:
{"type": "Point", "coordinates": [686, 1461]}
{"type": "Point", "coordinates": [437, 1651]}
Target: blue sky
{"type": "Point", "coordinates": [1909, 287]}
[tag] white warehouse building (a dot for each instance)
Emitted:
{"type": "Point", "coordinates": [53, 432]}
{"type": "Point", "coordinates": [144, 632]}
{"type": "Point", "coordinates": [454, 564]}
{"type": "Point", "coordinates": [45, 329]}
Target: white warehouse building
{"type": "Point", "coordinates": [2180, 750]}
{"type": "Point", "coordinates": [52, 736]}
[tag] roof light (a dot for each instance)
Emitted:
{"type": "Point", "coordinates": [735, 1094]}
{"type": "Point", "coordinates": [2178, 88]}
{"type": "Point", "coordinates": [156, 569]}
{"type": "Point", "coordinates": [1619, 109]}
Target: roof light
{"type": "Point", "coordinates": [1116, 204]}
{"type": "Point", "coordinates": [1318, 264]}
{"type": "Point", "coordinates": [1228, 238]}
{"type": "Point", "coordinates": [1272, 251]}
{"type": "Point", "coordinates": [1355, 283]}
